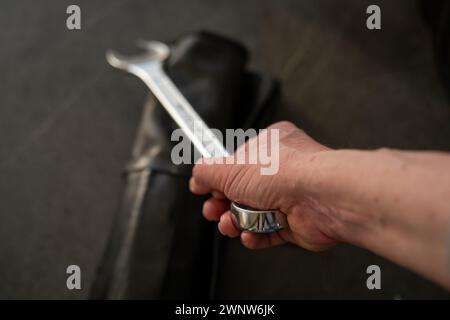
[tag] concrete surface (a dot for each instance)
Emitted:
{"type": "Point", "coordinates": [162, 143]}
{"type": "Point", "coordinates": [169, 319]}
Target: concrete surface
{"type": "Point", "coordinates": [67, 121]}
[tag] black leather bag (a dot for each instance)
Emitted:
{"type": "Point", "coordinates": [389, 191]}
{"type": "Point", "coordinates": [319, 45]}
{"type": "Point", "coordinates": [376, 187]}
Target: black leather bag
{"type": "Point", "coordinates": [437, 13]}
{"type": "Point", "coordinates": [160, 245]}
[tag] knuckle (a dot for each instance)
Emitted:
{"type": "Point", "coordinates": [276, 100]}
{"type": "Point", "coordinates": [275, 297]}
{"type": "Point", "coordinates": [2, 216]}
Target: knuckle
{"type": "Point", "coordinates": [282, 125]}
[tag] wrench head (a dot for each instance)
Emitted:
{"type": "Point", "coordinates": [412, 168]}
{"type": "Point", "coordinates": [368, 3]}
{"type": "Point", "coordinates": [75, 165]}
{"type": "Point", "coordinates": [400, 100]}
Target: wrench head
{"type": "Point", "coordinates": [154, 52]}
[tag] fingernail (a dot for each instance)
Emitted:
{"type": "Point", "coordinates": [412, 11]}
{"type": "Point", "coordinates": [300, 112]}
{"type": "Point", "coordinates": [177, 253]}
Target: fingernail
{"type": "Point", "coordinates": [220, 229]}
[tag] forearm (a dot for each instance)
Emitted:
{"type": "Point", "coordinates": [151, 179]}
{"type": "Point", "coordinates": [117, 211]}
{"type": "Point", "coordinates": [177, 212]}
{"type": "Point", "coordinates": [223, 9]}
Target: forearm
{"type": "Point", "coordinates": [393, 203]}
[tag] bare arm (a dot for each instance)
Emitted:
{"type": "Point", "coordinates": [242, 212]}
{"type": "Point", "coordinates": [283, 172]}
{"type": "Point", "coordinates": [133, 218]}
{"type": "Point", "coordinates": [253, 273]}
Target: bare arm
{"type": "Point", "coordinates": [394, 203]}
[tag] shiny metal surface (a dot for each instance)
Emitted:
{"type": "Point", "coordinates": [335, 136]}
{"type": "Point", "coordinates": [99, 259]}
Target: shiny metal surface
{"type": "Point", "coordinates": [264, 221]}
{"type": "Point", "coordinates": [149, 68]}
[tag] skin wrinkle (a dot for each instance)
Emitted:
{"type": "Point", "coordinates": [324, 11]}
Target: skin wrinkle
{"type": "Point", "coordinates": [310, 208]}
{"type": "Point", "coordinates": [348, 211]}
{"type": "Point", "coordinates": [392, 203]}
{"type": "Point", "coordinates": [310, 198]}
{"type": "Point", "coordinates": [247, 189]}
{"type": "Point", "coordinates": [230, 185]}
{"type": "Point", "coordinates": [396, 198]}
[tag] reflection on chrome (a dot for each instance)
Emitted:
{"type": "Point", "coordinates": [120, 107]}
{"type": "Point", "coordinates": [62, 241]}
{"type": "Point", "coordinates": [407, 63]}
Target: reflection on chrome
{"type": "Point", "coordinates": [264, 221]}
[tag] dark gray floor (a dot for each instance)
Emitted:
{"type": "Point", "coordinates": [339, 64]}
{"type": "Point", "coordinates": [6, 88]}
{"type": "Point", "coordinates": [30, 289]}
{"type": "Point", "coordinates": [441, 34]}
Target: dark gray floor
{"type": "Point", "coordinates": [67, 121]}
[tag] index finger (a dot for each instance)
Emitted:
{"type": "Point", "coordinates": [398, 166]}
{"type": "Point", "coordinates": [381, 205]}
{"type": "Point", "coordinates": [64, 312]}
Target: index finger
{"type": "Point", "coordinates": [198, 188]}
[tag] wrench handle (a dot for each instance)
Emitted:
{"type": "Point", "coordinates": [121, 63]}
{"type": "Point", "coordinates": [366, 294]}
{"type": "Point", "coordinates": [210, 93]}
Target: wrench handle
{"type": "Point", "coordinates": [246, 218]}
{"type": "Point", "coordinates": [149, 68]}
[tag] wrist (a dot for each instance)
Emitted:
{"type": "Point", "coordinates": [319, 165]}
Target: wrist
{"type": "Point", "coordinates": [337, 183]}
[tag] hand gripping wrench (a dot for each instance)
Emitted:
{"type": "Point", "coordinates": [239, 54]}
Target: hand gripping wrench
{"type": "Point", "coordinates": [149, 68]}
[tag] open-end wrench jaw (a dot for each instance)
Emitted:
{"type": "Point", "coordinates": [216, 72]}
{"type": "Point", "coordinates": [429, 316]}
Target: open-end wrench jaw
{"type": "Point", "coordinates": [149, 67]}
{"type": "Point", "coordinates": [154, 52]}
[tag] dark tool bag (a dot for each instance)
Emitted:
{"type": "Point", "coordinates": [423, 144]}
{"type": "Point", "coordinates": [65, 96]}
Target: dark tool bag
{"type": "Point", "coordinates": [160, 245]}
{"type": "Point", "coordinates": [437, 13]}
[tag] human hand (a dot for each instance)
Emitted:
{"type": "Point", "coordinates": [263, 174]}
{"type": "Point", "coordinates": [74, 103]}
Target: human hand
{"type": "Point", "coordinates": [381, 200]}
{"type": "Point", "coordinates": [309, 220]}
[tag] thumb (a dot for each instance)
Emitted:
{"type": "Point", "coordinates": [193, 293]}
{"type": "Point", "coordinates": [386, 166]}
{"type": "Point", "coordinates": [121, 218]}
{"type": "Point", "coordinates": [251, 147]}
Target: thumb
{"type": "Point", "coordinates": [241, 183]}
{"type": "Point", "coordinates": [213, 175]}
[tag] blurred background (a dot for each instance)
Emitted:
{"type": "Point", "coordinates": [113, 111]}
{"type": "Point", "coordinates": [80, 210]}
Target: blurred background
{"type": "Point", "coordinates": [68, 121]}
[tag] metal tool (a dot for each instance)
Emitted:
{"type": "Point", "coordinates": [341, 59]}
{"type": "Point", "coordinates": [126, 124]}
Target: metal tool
{"type": "Point", "coordinates": [148, 66]}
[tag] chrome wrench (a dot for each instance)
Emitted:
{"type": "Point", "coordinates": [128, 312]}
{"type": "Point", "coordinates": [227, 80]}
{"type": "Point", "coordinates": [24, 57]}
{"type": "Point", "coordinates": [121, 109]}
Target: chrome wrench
{"type": "Point", "coordinates": [149, 68]}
